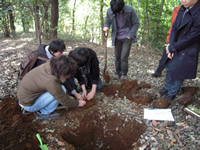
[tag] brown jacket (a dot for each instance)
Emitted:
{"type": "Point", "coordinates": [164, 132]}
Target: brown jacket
{"type": "Point", "coordinates": [40, 80]}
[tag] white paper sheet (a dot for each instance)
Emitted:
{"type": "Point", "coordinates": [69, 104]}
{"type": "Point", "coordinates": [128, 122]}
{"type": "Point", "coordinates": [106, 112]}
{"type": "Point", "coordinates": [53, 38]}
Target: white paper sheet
{"type": "Point", "coordinates": [158, 114]}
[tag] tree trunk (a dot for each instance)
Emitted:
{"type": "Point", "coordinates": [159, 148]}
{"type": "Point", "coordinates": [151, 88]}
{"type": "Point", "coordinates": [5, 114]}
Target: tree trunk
{"type": "Point", "coordinates": [102, 21]}
{"type": "Point", "coordinates": [158, 20]}
{"type": "Point", "coordinates": [73, 17]}
{"type": "Point", "coordinates": [46, 27]}
{"type": "Point", "coordinates": [54, 18]}
{"type": "Point", "coordinates": [12, 26]}
{"type": "Point", "coordinates": [5, 21]}
{"type": "Point", "coordinates": [37, 19]}
{"type": "Point", "coordinates": [41, 33]}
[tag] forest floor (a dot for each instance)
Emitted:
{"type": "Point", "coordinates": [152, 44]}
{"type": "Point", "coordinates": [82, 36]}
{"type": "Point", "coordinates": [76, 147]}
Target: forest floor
{"type": "Point", "coordinates": [113, 120]}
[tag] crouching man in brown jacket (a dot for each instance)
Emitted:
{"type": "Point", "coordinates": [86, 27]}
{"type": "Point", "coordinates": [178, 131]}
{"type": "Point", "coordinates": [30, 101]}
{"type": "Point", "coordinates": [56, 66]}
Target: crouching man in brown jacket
{"type": "Point", "coordinates": [41, 90]}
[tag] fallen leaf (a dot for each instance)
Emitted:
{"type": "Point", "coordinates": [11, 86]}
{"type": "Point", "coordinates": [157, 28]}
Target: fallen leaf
{"type": "Point", "coordinates": [170, 133]}
{"type": "Point", "coordinates": [134, 144]}
{"type": "Point", "coordinates": [61, 143]}
{"type": "Point", "coordinates": [154, 123]}
{"type": "Point", "coordinates": [134, 110]}
{"type": "Point", "coordinates": [49, 135]}
{"type": "Point", "coordinates": [172, 142]}
{"type": "Point", "coordinates": [128, 101]}
{"type": "Point", "coordinates": [179, 136]}
{"type": "Point", "coordinates": [181, 124]}
{"type": "Point", "coordinates": [153, 130]}
{"type": "Point", "coordinates": [161, 137]}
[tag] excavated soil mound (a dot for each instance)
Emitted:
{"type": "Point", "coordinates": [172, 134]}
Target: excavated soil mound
{"type": "Point", "coordinates": [130, 89]}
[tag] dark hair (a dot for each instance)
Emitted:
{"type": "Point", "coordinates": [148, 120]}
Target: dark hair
{"type": "Point", "coordinates": [63, 65]}
{"type": "Point", "coordinates": [117, 5]}
{"type": "Point", "coordinates": [81, 55]}
{"type": "Point", "coordinates": [57, 45]}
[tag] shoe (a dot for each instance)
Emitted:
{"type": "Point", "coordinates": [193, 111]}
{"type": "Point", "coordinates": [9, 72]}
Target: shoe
{"type": "Point", "coordinates": [24, 112]}
{"type": "Point", "coordinates": [116, 76]}
{"type": "Point", "coordinates": [123, 77]}
{"type": "Point", "coordinates": [155, 75]}
{"type": "Point", "coordinates": [163, 91]}
{"type": "Point", "coordinates": [51, 116]}
{"type": "Point", "coordinates": [169, 97]}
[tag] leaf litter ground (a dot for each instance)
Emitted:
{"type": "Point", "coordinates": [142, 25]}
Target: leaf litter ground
{"type": "Point", "coordinates": [113, 121]}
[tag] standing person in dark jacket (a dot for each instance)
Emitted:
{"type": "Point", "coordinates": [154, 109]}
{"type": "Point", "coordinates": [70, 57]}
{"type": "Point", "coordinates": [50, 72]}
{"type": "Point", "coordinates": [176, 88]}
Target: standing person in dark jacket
{"type": "Point", "coordinates": [55, 48]}
{"type": "Point", "coordinates": [125, 24]}
{"type": "Point", "coordinates": [183, 48]}
{"type": "Point", "coordinates": [164, 58]}
{"type": "Point", "coordinates": [87, 73]}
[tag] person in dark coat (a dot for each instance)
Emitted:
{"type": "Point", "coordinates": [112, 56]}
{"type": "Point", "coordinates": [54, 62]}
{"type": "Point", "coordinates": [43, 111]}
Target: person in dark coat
{"type": "Point", "coordinates": [164, 58]}
{"type": "Point", "coordinates": [183, 48]}
{"type": "Point", "coordinates": [87, 73]}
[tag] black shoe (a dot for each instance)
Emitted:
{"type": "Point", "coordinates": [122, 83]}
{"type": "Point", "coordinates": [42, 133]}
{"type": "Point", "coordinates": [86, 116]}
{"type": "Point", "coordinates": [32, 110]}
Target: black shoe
{"type": "Point", "coordinates": [169, 97]}
{"type": "Point", "coordinates": [156, 75]}
{"type": "Point", "coordinates": [51, 116]}
{"type": "Point", "coordinates": [163, 91]}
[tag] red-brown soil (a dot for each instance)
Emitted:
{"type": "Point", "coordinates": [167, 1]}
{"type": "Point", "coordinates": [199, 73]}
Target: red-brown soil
{"type": "Point", "coordinates": [81, 128]}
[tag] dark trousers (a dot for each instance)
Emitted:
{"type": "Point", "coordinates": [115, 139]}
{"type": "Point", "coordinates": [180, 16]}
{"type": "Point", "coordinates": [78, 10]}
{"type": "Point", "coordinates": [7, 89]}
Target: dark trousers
{"type": "Point", "coordinates": [122, 51]}
{"type": "Point", "coordinates": [172, 85]}
{"type": "Point", "coordinates": [162, 63]}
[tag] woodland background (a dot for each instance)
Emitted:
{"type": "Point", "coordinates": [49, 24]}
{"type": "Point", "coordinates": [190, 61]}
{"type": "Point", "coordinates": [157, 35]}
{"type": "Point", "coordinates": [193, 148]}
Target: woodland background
{"type": "Point", "coordinates": [74, 20]}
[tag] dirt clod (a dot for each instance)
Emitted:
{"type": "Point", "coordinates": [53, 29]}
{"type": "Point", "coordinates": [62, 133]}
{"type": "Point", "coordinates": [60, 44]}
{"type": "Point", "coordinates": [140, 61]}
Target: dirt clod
{"type": "Point", "coordinates": [161, 103]}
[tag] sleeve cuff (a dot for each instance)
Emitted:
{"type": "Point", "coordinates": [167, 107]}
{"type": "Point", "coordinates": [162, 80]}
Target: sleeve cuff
{"type": "Point", "coordinates": [171, 49]}
{"type": "Point", "coordinates": [73, 91]}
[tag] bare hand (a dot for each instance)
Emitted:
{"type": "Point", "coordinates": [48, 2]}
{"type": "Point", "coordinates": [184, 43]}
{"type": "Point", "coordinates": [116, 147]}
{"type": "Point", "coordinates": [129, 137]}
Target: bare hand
{"type": "Point", "coordinates": [105, 29]}
{"type": "Point", "coordinates": [170, 55]}
{"type": "Point", "coordinates": [78, 96]}
{"type": "Point", "coordinates": [167, 48]}
{"type": "Point", "coordinates": [84, 94]}
{"type": "Point", "coordinates": [90, 95]}
{"type": "Point", "coordinates": [81, 103]}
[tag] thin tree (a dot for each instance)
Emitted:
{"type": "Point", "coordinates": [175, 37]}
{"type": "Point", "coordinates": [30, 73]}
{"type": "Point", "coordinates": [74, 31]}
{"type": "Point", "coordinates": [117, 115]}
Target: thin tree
{"type": "Point", "coordinates": [158, 20]}
{"type": "Point", "coordinates": [54, 18]}
{"type": "Point", "coordinates": [102, 20]}
{"type": "Point", "coordinates": [73, 16]}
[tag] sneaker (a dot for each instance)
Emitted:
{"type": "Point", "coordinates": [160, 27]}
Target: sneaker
{"type": "Point", "coordinates": [123, 77]}
{"type": "Point", "coordinates": [163, 91]}
{"type": "Point", "coordinates": [51, 116]}
{"type": "Point", "coordinates": [24, 112]}
{"type": "Point", "coordinates": [155, 75]}
{"type": "Point", "coordinates": [169, 97]}
{"type": "Point", "coordinates": [116, 76]}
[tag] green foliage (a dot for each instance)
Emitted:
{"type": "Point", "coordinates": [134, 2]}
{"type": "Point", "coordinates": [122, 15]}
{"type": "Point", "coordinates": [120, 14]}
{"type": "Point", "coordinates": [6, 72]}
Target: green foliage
{"type": "Point", "coordinates": [82, 19]}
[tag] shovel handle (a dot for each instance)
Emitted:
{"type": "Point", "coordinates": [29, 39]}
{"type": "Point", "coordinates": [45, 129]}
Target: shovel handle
{"type": "Point", "coordinates": [39, 138]}
{"type": "Point", "coordinates": [105, 35]}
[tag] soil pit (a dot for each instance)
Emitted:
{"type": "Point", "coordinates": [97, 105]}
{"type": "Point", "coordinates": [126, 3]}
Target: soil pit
{"type": "Point", "coordinates": [98, 130]}
{"type": "Point", "coordinates": [89, 128]}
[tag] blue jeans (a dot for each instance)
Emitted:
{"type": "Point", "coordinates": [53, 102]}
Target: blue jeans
{"type": "Point", "coordinates": [172, 85]}
{"type": "Point", "coordinates": [99, 85]}
{"type": "Point", "coordinates": [122, 51]}
{"type": "Point", "coordinates": [45, 103]}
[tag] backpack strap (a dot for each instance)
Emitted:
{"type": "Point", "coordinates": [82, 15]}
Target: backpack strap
{"type": "Point", "coordinates": [42, 58]}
